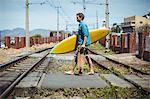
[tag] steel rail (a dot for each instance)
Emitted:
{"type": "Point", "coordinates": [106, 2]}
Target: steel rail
{"type": "Point", "coordinates": [6, 93]}
{"type": "Point", "coordinates": [125, 65]}
{"type": "Point", "coordinates": [123, 77]}
{"type": "Point", "coordinates": [21, 58]}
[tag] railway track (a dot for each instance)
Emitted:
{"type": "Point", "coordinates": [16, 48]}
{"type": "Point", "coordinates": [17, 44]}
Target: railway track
{"type": "Point", "coordinates": [22, 57]}
{"type": "Point", "coordinates": [122, 64]}
{"type": "Point", "coordinates": [13, 76]}
{"type": "Point", "coordinates": [13, 72]}
{"type": "Point", "coordinates": [123, 71]}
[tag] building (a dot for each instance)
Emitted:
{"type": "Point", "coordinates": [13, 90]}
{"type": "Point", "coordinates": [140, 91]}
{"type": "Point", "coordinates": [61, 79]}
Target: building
{"type": "Point", "coordinates": [132, 23]}
{"type": "Point", "coordinates": [147, 16]}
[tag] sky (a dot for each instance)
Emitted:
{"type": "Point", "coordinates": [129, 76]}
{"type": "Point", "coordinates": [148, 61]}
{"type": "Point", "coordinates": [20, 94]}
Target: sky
{"type": "Point", "coordinates": [12, 13]}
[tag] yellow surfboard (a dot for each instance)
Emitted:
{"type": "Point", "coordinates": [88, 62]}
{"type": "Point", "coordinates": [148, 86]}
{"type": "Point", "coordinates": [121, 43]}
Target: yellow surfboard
{"type": "Point", "coordinates": [69, 44]}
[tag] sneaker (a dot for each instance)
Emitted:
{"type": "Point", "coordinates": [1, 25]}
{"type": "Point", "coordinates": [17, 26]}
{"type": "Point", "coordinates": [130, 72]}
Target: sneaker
{"type": "Point", "coordinates": [69, 72]}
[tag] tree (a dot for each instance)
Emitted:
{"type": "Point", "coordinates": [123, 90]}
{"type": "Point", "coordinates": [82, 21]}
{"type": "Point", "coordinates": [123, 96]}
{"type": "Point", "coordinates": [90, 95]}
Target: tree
{"type": "Point", "coordinates": [113, 29]}
{"type": "Point", "coordinates": [144, 28]}
{"type": "Point", "coordinates": [116, 28]}
{"type": "Point", "coordinates": [51, 34]}
{"type": "Point", "coordinates": [37, 36]}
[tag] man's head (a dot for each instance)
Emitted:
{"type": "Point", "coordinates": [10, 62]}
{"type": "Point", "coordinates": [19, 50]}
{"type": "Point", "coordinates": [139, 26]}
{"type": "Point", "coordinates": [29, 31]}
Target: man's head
{"type": "Point", "coordinates": [80, 17]}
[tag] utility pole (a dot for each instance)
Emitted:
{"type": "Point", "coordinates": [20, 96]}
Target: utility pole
{"type": "Point", "coordinates": [107, 23]}
{"type": "Point", "coordinates": [84, 6]}
{"type": "Point", "coordinates": [0, 39]}
{"type": "Point", "coordinates": [106, 17]}
{"type": "Point", "coordinates": [27, 24]}
{"type": "Point", "coordinates": [107, 14]}
{"type": "Point", "coordinates": [66, 25]}
{"type": "Point", "coordinates": [27, 27]}
{"type": "Point", "coordinates": [58, 22]}
{"type": "Point", "coordinates": [96, 19]}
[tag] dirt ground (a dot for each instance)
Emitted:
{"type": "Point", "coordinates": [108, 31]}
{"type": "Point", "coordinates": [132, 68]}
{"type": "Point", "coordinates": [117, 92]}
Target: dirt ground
{"type": "Point", "coordinates": [129, 58]}
{"type": "Point", "coordinates": [11, 53]}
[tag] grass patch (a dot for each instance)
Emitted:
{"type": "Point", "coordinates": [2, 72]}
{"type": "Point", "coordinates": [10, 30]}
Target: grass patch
{"type": "Point", "coordinates": [112, 92]}
{"type": "Point", "coordinates": [101, 49]}
{"type": "Point", "coordinates": [86, 69]}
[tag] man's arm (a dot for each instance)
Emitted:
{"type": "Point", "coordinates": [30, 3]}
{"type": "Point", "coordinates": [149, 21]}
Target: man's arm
{"type": "Point", "coordinates": [85, 32]}
{"type": "Point", "coordinates": [84, 42]}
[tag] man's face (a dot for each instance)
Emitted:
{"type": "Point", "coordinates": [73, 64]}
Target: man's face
{"type": "Point", "coordinates": [78, 18]}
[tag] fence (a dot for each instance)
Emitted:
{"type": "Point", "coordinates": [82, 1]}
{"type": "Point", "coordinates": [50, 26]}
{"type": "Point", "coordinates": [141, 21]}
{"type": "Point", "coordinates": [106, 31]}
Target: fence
{"type": "Point", "coordinates": [122, 43]}
{"type": "Point", "coordinates": [144, 46]}
{"type": "Point", "coordinates": [130, 43]}
{"type": "Point", "coordinates": [20, 42]}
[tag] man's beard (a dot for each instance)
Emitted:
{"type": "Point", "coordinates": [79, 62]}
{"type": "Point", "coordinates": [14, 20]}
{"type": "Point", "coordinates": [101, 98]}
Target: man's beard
{"type": "Point", "coordinates": [78, 20]}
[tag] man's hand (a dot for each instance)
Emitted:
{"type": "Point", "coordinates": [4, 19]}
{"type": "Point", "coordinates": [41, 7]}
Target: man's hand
{"type": "Point", "coordinates": [82, 46]}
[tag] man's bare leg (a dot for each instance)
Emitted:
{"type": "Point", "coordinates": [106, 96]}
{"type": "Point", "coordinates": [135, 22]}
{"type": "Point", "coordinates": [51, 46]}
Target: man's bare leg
{"type": "Point", "coordinates": [74, 63]}
{"type": "Point", "coordinates": [79, 62]}
{"type": "Point", "coordinates": [82, 59]}
{"type": "Point", "coordinates": [90, 65]}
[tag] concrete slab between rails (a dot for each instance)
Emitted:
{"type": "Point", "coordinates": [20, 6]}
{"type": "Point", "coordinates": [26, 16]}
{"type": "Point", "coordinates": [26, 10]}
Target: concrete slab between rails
{"type": "Point", "coordinates": [97, 57]}
{"type": "Point", "coordinates": [37, 55]}
{"type": "Point", "coordinates": [146, 77]}
{"type": "Point", "coordinates": [12, 78]}
{"type": "Point", "coordinates": [62, 56]}
{"type": "Point", "coordinates": [31, 80]}
{"type": "Point", "coordinates": [8, 76]}
{"type": "Point", "coordinates": [71, 57]}
{"type": "Point", "coordinates": [142, 80]}
{"type": "Point", "coordinates": [60, 80]}
{"type": "Point", "coordinates": [116, 81]}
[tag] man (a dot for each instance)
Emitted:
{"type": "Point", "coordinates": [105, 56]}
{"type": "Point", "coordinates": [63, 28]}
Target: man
{"type": "Point", "coordinates": [83, 41]}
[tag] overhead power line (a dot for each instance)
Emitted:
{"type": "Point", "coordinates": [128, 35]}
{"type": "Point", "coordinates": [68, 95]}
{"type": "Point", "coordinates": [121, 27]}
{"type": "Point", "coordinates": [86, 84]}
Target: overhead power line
{"type": "Point", "coordinates": [61, 12]}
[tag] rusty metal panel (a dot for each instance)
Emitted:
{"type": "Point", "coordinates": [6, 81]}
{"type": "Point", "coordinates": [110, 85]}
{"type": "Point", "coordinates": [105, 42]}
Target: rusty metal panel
{"type": "Point", "coordinates": [141, 44]}
{"type": "Point", "coordinates": [147, 43]}
{"type": "Point", "coordinates": [16, 42]}
{"type": "Point", "coordinates": [31, 41]}
{"type": "Point", "coordinates": [132, 42]}
{"type": "Point", "coordinates": [23, 42]}
{"type": "Point", "coordinates": [146, 56]}
{"type": "Point", "coordinates": [7, 41]}
{"type": "Point", "coordinates": [126, 42]}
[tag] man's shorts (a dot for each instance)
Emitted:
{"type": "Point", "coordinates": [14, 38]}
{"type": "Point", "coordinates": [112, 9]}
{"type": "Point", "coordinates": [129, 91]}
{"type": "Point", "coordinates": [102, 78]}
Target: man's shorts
{"type": "Point", "coordinates": [82, 50]}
